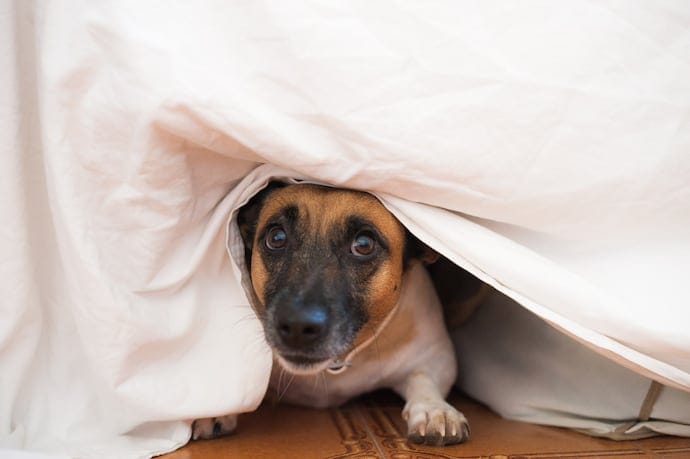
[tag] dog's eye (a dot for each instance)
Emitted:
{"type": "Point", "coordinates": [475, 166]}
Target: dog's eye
{"type": "Point", "coordinates": [363, 245]}
{"type": "Point", "coordinates": [276, 238]}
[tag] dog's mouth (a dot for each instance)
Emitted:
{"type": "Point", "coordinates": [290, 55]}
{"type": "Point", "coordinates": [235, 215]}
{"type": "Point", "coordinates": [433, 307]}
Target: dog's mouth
{"type": "Point", "coordinates": [311, 344]}
{"type": "Point", "coordinates": [306, 364]}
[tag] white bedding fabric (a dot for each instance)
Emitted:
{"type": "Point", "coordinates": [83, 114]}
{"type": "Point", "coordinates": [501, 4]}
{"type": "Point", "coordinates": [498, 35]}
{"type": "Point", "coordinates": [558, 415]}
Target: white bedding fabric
{"type": "Point", "coordinates": [545, 147]}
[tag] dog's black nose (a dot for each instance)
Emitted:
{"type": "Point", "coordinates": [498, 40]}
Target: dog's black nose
{"type": "Point", "coordinates": [303, 326]}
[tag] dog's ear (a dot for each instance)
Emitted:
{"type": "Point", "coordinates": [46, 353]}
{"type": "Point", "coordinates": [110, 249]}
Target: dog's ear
{"type": "Point", "coordinates": [417, 250]}
{"type": "Point", "coordinates": [248, 216]}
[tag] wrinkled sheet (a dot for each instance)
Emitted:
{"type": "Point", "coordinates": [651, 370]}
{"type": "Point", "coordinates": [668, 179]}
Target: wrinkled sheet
{"type": "Point", "coordinates": [544, 147]}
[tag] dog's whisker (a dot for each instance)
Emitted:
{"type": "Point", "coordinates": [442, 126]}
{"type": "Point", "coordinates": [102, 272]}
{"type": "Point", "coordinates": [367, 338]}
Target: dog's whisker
{"type": "Point", "coordinates": [378, 350]}
{"type": "Point", "coordinates": [287, 386]}
{"type": "Point", "coordinates": [276, 385]}
{"type": "Point", "coordinates": [247, 318]}
{"type": "Point", "coordinates": [325, 385]}
{"type": "Point", "coordinates": [259, 342]}
{"type": "Point", "coordinates": [279, 386]}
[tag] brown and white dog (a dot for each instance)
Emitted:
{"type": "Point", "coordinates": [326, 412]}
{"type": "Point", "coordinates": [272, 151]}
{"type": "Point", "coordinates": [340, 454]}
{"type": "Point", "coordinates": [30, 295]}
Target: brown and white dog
{"type": "Point", "coordinates": [347, 307]}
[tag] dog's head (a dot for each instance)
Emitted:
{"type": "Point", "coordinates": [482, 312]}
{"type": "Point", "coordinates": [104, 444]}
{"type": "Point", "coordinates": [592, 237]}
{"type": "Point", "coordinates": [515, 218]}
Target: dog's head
{"type": "Point", "coordinates": [326, 266]}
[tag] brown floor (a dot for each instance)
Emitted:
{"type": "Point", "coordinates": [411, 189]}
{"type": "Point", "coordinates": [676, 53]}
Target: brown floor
{"type": "Point", "coordinates": [371, 427]}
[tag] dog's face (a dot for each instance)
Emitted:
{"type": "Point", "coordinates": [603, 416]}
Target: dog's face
{"type": "Point", "coordinates": [326, 265]}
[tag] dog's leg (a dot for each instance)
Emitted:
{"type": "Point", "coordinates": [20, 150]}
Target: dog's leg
{"type": "Point", "coordinates": [214, 427]}
{"type": "Point", "coordinates": [430, 419]}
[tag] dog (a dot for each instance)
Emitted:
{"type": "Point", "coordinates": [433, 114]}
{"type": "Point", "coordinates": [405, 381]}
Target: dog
{"type": "Point", "coordinates": [347, 307]}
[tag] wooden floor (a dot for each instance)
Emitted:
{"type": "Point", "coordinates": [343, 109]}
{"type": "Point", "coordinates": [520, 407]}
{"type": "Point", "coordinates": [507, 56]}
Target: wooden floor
{"type": "Point", "coordinates": [371, 427]}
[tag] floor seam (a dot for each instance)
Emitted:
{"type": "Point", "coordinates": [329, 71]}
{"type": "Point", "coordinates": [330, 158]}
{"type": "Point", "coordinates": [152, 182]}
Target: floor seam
{"type": "Point", "coordinates": [370, 433]}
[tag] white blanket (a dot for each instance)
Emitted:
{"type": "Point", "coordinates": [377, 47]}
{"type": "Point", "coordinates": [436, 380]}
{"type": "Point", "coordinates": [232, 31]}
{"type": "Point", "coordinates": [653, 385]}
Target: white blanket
{"type": "Point", "coordinates": [544, 147]}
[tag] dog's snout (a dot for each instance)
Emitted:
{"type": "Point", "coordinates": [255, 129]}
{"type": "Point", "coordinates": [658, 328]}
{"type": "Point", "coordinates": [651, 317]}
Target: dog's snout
{"type": "Point", "coordinates": [301, 327]}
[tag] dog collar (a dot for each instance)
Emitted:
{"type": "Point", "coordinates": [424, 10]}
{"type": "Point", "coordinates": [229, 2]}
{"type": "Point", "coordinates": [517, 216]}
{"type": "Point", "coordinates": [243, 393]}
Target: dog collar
{"type": "Point", "coordinates": [340, 365]}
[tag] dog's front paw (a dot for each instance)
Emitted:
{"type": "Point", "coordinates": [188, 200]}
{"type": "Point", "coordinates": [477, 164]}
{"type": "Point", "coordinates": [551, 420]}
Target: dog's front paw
{"type": "Point", "coordinates": [214, 427]}
{"type": "Point", "coordinates": [435, 423]}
